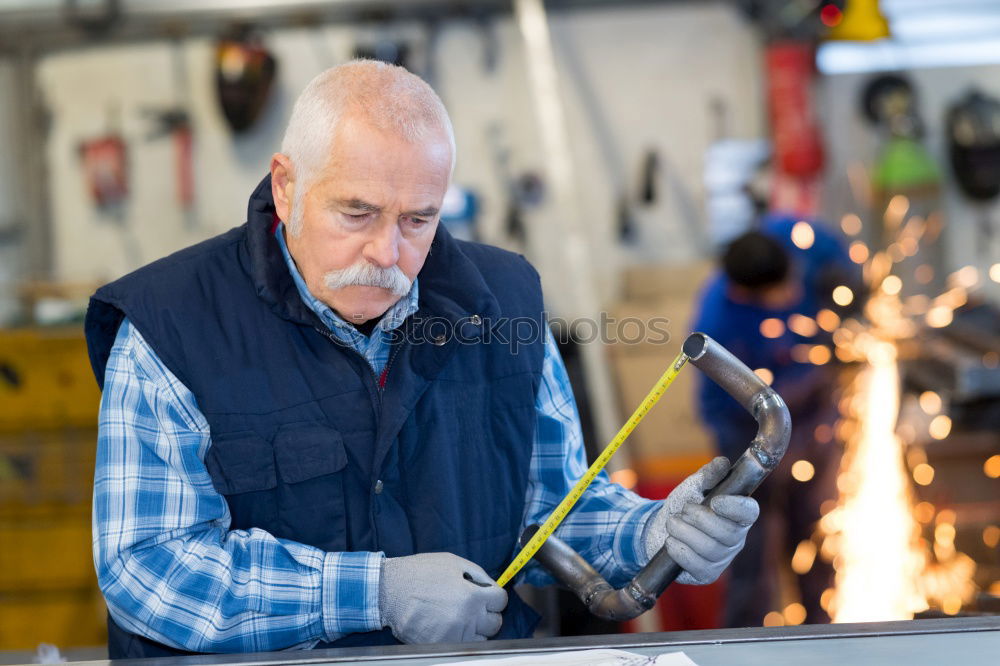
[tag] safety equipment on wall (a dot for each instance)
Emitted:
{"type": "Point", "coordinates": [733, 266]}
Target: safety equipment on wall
{"type": "Point", "coordinates": [890, 102]}
{"type": "Point", "coordinates": [973, 126]}
{"type": "Point", "coordinates": [903, 166]}
{"type": "Point", "coordinates": [798, 147]}
{"type": "Point", "coordinates": [244, 73]}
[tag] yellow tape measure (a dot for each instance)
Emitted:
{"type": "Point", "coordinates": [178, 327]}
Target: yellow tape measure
{"type": "Point", "coordinates": [561, 511]}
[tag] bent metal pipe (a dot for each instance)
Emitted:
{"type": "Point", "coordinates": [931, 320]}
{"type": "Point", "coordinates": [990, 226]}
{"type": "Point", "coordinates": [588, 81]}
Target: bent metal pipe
{"type": "Point", "coordinates": [774, 428]}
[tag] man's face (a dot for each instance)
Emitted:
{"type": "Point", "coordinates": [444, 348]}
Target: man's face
{"type": "Point", "coordinates": [372, 211]}
{"type": "Point", "coordinates": [781, 295]}
{"type": "Point", "coordinates": [776, 296]}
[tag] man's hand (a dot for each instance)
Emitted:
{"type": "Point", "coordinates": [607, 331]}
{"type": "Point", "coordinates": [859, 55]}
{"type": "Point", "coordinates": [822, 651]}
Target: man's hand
{"type": "Point", "coordinates": [702, 540]}
{"type": "Point", "coordinates": [439, 598]}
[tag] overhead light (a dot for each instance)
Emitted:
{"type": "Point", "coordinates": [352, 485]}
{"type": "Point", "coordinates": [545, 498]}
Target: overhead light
{"type": "Point", "coordinates": [887, 55]}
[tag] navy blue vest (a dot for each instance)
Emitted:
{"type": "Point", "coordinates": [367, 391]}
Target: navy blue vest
{"type": "Point", "coordinates": [306, 444]}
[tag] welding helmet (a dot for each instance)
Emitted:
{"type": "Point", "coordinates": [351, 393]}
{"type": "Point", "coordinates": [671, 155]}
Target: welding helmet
{"type": "Point", "coordinates": [973, 127]}
{"type": "Point", "coordinates": [244, 72]}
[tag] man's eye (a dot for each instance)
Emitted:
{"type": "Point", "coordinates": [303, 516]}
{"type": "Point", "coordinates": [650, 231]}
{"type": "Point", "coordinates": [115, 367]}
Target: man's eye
{"type": "Point", "coordinates": [357, 218]}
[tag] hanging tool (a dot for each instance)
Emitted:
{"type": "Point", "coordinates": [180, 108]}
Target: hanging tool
{"type": "Point", "coordinates": [105, 167]}
{"type": "Point", "coordinates": [513, 224]}
{"type": "Point", "coordinates": [175, 122]}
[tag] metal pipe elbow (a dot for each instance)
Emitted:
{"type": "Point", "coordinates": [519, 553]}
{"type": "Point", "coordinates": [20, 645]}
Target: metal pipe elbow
{"type": "Point", "coordinates": [764, 453]}
{"type": "Point", "coordinates": [774, 423]}
{"type": "Point", "coordinates": [570, 569]}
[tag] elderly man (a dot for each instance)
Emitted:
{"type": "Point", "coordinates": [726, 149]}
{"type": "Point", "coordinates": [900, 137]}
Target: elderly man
{"type": "Point", "coordinates": [326, 426]}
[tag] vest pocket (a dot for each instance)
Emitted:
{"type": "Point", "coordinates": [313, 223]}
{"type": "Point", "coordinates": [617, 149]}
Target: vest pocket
{"type": "Point", "coordinates": [241, 465]}
{"type": "Point", "coordinates": [306, 451]}
{"type": "Point", "coordinates": [240, 462]}
{"type": "Point", "coordinates": [311, 463]}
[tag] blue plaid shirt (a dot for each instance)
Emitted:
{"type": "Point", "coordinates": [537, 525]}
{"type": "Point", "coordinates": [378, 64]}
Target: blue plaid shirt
{"type": "Point", "coordinates": [172, 570]}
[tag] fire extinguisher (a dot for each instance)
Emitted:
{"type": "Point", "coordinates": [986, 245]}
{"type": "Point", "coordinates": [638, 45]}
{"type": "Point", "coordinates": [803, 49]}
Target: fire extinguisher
{"type": "Point", "coordinates": [798, 146]}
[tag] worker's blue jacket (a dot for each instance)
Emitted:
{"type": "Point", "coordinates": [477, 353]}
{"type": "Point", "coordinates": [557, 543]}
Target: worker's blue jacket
{"type": "Point", "coordinates": [306, 444]}
{"type": "Point", "coordinates": [737, 327]}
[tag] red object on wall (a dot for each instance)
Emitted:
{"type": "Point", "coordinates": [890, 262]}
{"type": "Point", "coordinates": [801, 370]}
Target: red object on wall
{"type": "Point", "coordinates": [798, 145]}
{"type": "Point", "coordinates": [185, 176]}
{"type": "Point", "coordinates": [104, 168]}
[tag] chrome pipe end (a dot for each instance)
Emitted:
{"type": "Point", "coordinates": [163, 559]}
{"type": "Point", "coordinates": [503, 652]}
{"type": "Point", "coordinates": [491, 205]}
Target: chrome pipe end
{"type": "Point", "coordinates": [695, 346]}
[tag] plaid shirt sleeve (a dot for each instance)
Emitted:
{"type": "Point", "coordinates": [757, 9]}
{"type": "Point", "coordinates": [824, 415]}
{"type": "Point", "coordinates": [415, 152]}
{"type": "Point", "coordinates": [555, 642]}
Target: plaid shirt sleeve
{"type": "Point", "coordinates": [168, 564]}
{"type": "Point", "coordinates": [606, 524]}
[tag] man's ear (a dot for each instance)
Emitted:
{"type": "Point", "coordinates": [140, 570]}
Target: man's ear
{"type": "Point", "coordinates": [282, 185]}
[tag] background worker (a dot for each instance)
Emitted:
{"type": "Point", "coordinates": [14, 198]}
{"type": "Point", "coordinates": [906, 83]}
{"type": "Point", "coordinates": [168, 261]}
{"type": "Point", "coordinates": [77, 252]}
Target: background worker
{"type": "Point", "coordinates": [762, 305]}
{"type": "Point", "coordinates": [306, 437]}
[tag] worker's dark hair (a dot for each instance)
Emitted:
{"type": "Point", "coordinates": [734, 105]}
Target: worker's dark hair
{"type": "Point", "coordinates": [755, 260]}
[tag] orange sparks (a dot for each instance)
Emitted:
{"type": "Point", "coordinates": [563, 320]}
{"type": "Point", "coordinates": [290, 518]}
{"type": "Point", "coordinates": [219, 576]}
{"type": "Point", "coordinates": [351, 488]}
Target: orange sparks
{"type": "Point", "coordinates": [803, 235]}
{"type": "Point", "coordinates": [851, 224]}
{"type": "Point", "coordinates": [772, 328]}
{"type": "Point", "coordinates": [842, 295]}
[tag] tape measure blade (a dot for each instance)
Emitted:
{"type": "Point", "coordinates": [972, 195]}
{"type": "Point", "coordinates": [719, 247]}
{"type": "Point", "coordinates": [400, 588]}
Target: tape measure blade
{"type": "Point", "coordinates": [576, 492]}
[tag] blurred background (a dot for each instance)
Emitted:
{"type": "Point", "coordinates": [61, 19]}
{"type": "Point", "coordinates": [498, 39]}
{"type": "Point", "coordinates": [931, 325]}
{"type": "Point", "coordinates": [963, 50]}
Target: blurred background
{"type": "Point", "coordinates": [621, 146]}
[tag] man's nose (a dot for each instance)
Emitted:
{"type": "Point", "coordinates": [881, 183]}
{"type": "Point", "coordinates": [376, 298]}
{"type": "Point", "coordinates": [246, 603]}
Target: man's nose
{"type": "Point", "coordinates": [383, 248]}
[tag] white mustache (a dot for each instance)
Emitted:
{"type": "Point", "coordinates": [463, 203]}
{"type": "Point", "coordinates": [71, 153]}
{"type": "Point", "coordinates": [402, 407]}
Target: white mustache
{"type": "Point", "coordinates": [365, 274]}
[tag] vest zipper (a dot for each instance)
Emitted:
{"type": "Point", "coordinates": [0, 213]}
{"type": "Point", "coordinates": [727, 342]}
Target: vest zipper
{"type": "Point", "coordinates": [333, 338]}
{"type": "Point", "coordinates": [388, 364]}
{"type": "Point", "coordinates": [376, 378]}
{"type": "Point", "coordinates": [378, 389]}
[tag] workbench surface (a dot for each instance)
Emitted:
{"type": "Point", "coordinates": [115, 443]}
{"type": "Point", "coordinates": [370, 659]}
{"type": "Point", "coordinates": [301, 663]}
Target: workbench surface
{"type": "Point", "coordinates": [964, 641]}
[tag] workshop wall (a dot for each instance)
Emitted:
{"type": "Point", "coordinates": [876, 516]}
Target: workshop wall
{"type": "Point", "coordinates": [633, 79]}
{"type": "Point", "coordinates": [851, 138]}
{"type": "Point", "coordinates": [9, 243]}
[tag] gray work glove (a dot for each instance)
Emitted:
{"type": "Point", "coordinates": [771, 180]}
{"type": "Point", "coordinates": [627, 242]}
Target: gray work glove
{"type": "Point", "coordinates": [702, 540]}
{"type": "Point", "coordinates": [439, 598]}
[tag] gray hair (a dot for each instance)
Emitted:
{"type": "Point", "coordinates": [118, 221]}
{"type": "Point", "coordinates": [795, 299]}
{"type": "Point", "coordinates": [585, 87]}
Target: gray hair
{"type": "Point", "coordinates": [388, 96]}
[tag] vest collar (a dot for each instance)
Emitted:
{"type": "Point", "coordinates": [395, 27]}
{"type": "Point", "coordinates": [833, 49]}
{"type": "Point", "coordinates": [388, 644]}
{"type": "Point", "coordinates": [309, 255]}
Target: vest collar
{"type": "Point", "coordinates": [451, 286]}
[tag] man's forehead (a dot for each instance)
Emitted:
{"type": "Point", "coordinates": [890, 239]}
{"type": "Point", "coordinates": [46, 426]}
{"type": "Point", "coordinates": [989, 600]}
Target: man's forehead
{"type": "Point", "coordinates": [357, 142]}
{"type": "Point", "coordinates": [385, 171]}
